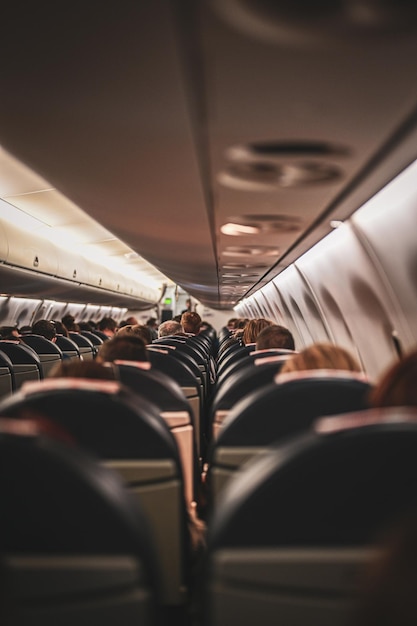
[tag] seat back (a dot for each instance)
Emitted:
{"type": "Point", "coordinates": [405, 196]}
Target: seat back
{"type": "Point", "coordinates": [174, 408]}
{"type": "Point", "coordinates": [49, 353]}
{"type": "Point", "coordinates": [242, 382]}
{"type": "Point", "coordinates": [280, 410]}
{"type": "Point", "coordinates": [161, 359]}
{"type": "Point", "coordinates": [254, 357]}
{"type": "Point", "coordinates": [126, 432]}
{"type": "Point", "coordinates": [69, 348]}
{"type": "Point", "coordinates": [26, 362]}
{"type": "Point", "coordinates": [95, 339]}
{"type": "Point", "coordinates": [85, 346]}
{"type": "Point", "coordinates": [84, 555]}
{"type": "Point", "coordinates": [7, 384]}
{"type": "Point", "coordinates": [294, 526]}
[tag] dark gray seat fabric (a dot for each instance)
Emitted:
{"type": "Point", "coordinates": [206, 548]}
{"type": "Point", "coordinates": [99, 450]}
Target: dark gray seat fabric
{"type": "Point", "coordinates": [7, 383]}
{"type": "Point", "coordinates": [126, 432]}
{"type": "Point", "coordinates": [295, 525]}
{"type": "Point", "coordinates": [49, 353]}
{"type": "Point", "coordinates": [85, 555]}
{"type": "Point", "coordinates": [174, 407]}
{"type": "Point", "coordinates": [281, 409]}
{"type": "Point", "coordinates": [26, 362]}
{"type": "Point", "coordinates": [69, 348]}
{"type": "Point", "coordinates": [87, 349]}
{"type": "Point", "coordinates": [276, 411]}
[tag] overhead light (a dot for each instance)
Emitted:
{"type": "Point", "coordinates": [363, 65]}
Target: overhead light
{"type": "Point", "coordinates": [336, 223]}
{"type": "Point", "coordinates": [253, 224]}
{"type": "Point", "coordinates": [238, 229]}
{"type": "Point", "coordinates": [251, 251]}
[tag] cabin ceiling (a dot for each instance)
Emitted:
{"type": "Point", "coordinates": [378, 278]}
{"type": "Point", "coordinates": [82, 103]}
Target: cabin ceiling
{"type": "Point", "coordinates": [166, 121]}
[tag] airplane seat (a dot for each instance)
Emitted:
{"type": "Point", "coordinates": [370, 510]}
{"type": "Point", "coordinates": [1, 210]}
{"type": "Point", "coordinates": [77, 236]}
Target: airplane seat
{"type": "Point", "coordinates": [179, 349]}
{"type": "Point", "coordinates": [232, 356]}
{"type": "Point", "coordinates": [279, 410]}
{"type": "Point", "coordinates": [7, 382]}
{"type": "Point", "coordinates": [183, 345]}
{"type": "Point", "coordinates": [49, 353]}
{"type": "Point", "coordinates": [163, 359]}
{"type": "Point", "coordinates": [244, 380]}
{"type": "Point", "coordinates": [26, 362]}
{"type": "Point", "coordinates": [255, 356]}
{"type": "Point", "coordinates": [294, 527]}
{"type": "Point", "coordinates": [85, 346]}
{"type": "Point", "coordinates": [100, 334]}
{"type": "Point", "coordinates": [174, 408]}
{"type": "Point", "coordinates": [94, 338]}
{"type": "Point", "coordinates": [69, 348]}
{"type": "Point", "coordinates": [76, 547]}
{"type": "Point", "coordinates": [125, 431]}
{"type": "Point", "coordinates": [226, 346]}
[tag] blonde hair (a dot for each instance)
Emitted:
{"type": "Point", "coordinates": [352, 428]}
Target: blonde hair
{"type": "Point", "coordinates": [321, 356]}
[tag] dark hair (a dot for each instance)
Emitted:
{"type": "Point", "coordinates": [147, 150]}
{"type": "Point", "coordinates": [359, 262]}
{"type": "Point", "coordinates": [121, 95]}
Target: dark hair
{"type": "Point", "coordinates": [124, 348]}
{"type": "Point", "coordinates": [44, 328]}
{"type": "Point", "coordinates": [60, 328]}
{"type": "Point", "coordinates": [6, 332]}
{"type": "Point", "coordinates": [107, 323]}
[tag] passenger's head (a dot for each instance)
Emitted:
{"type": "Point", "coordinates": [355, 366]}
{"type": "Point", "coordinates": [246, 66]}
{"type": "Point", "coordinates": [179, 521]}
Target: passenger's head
{"type": "Point", "coordinates": [170, 327]}
{"type": "Point", "coordinates": [9, 332]}
{"type": "Point", "coordinates": [44, 328]}
{"type": "Point", "coordinates": [231, 323]}
{"type": "Point", "coordinates": [138, 330]}
{"type": "Point", "coordinates": [123, 348]}
{"type": "Point", "coordinates": [108, 326]}
{"type": "Point", "coordinates": [60, 328]}
{"type": "Point", "coordinates": [398, 386]}
{"type": "Point", "coordinates": [321, 356]}
{"type": "Point", "coordinates": [191, 322]}
{"type": "Point", "coordinates": [275, 336]}
{"type": "Point", "coordinates": [131, 321]}
{"type": "Point", "coordinates": [82, 369]}
{"type": "Point", "coordinates": [253, 328]}
{"type": "Point", "coordinates": [69, 322]}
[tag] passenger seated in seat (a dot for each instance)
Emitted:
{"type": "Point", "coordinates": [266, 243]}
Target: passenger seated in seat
{"type": "Point", "coordinates": [108, 326]}
{"type": "Point", "coordinates": [191, 323]}
{"type": "Point", "coordinates": [136, 330]}
{"type": "Point", "coordinates": [170, 327]}
{"type": "Point", "coordinates": [10, 333]}
{"type": "Point", "coordinates": [46, 329]}
{"type": "Point", "coordinates": [398, 386]}
{"type": "Point", "coordinates": [253, 328]}
{"type": "Point", "coordinates": [321, 356]}
{"type": "Point", "coordinates": [122, 348]}
{"type": "Point", "coordinates": [275, 336]}
{"type": "Point", "coordinates": [82, 369]}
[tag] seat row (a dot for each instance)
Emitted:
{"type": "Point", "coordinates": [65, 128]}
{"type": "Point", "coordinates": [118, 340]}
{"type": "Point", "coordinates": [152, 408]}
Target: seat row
{"type": "Point", "coordinates": [286, 543]}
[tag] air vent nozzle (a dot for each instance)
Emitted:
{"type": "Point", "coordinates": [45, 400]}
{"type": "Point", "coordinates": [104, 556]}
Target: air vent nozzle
{"type": "Point", "coordinates": [319, 23]}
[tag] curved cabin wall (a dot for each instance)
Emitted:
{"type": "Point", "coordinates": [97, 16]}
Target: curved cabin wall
{"type": "Point", "coordinates": [358, 286]}
{"type": "Point", "coordinates": [33, 266]}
